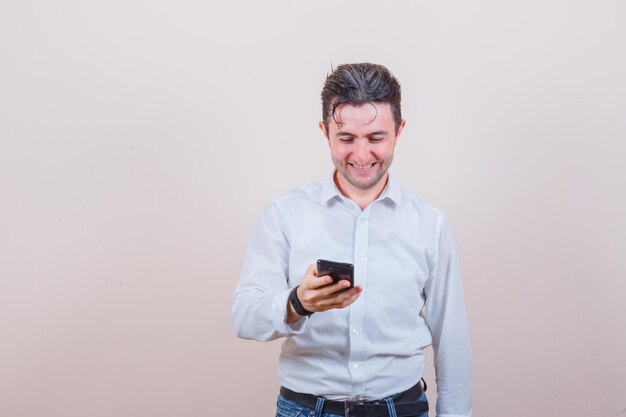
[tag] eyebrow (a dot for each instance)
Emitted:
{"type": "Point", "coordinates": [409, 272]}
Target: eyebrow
{"type": "Point", "coordinates": [378, 132]}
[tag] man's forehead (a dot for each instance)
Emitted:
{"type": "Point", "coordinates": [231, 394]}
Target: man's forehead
{"type": "Point", "coordinates": [354, 116]}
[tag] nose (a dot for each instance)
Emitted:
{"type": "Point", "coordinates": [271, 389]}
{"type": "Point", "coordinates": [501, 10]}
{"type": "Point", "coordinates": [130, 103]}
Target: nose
{"type": "Point", "coordinates": [361, 152]}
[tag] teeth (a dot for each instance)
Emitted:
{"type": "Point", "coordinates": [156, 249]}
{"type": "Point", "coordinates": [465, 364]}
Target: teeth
{"type": "Point", "coordinates": [362, 166]}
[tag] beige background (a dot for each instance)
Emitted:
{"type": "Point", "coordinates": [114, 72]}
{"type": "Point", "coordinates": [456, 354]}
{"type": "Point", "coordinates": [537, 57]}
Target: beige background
{"type": "Point", "coordinates": [139, 141]}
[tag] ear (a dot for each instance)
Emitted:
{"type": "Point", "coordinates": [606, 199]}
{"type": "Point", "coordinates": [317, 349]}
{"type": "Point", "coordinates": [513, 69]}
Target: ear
{"type": "Point", "coordinates": [323, 129]}
{"type": "Point", "coordinates": [400, 129]}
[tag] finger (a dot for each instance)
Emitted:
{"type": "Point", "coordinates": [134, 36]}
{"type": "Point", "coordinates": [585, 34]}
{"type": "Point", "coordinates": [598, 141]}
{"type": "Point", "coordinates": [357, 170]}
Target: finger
{"type": "Point", "coordinates": [348, 297]}
{"type": "Point", "coordinates": [338, 286]}
{"type": "Point", "coordinates": [328, 288]}
{"type": "Point", "coordinates": [334, 294]}
{"type": "Point", "coordinates": [310, 277]}
{"type": "Point", "coordinates": [317, 283]}
{"type": "Point", "coordinates": [340, 301]}
{"type": "Point", "coordinates": [310, 272]}
{"type": "Point", "coordinates": [350, 300]}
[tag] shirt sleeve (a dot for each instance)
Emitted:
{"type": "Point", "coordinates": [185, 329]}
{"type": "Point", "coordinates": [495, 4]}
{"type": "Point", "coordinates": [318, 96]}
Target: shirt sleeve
{"type": "Point", "coordinates": [447, 320]}
{"type": "Point", "coordinates": [259, 306]}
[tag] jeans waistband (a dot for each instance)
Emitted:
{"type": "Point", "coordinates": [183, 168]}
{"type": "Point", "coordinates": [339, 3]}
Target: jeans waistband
{"type": "Point", "coordinates": [405, 403]}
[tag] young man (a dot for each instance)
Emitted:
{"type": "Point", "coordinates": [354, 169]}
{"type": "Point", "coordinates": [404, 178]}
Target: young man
{"type": "Point", "coordinates": [358, 352]}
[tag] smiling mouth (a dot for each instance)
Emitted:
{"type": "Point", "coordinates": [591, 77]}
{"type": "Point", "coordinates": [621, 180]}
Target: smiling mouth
{"type": "Point", "coordinates": [362, 166]}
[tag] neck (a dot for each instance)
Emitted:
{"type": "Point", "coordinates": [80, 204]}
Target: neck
{"type": "Point", "coordinates": [362, 198]}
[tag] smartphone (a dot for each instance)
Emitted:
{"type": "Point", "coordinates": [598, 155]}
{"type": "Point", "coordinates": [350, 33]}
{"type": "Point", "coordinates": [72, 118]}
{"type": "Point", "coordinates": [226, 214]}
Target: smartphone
{"type": "Point", "coordinates": [337, 270]}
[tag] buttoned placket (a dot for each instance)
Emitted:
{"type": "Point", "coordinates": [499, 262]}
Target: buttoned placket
{"type": "Point", "coordinates": [357, 347]}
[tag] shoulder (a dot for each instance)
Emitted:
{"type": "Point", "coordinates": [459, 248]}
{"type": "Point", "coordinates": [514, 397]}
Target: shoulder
{"type": "Point", "coordinates": [423, 208]}
{"type": "Point", "coordinates": [296, 200]}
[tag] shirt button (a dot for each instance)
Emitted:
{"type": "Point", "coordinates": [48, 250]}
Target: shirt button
{"type": "Point", "coordinates": [355, 365]}
{"type": "Point", "coordinates": [355, 331]}
{"type": "Point", "coordinates": [361, 255]}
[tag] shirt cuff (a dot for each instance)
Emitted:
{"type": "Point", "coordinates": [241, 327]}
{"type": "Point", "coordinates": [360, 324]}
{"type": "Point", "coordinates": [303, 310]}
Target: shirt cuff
{"type": "Point", "coordinates": [279, 315]}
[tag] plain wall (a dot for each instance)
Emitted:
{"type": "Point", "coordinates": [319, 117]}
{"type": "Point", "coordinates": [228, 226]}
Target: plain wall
{"type": "Point", "coordinates": [139, 141]}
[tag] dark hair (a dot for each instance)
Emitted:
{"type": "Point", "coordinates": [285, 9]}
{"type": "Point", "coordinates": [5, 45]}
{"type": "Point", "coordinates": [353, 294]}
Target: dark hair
{"type": "Point", "coordinates": [358, 84]}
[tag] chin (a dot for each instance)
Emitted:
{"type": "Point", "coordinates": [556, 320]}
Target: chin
{"type": "Point", "coordinates": [366, 184]}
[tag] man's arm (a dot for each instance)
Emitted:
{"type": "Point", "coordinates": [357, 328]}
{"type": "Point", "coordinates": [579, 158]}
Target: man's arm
{"type": "Point", "coordinates": [259, 308]}
{"type": "Point", "coordinates": [446, 318]}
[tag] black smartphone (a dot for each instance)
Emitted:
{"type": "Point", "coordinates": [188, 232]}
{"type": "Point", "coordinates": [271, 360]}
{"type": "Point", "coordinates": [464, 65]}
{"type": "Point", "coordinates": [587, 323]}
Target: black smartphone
{"type": "Point", "coordinates": [337, 270]}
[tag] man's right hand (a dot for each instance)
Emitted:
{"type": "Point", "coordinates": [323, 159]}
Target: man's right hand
{"type": "Point", "coordinates": [320, 294]}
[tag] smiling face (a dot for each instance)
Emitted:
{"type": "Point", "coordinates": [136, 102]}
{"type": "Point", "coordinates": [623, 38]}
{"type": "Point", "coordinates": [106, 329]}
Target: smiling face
{"type": "Point", "coordinates": [362, 140]}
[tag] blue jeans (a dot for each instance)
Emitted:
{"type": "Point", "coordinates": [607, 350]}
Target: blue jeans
{"type": "Point", "coordinates": [289, 408]}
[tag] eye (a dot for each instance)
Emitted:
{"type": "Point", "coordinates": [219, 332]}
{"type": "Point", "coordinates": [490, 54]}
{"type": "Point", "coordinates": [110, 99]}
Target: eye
{"type": "Point", "coordinates": [376, 139]}
{"type": "Point", "coordinates": [346, 139]}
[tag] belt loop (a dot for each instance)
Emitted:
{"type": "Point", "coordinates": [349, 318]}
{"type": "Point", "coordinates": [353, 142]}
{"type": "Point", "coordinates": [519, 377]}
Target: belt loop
{"type": "Point", "coordinates": [319, 406]}
{"type": "Point", "coordinates": [391, 407]}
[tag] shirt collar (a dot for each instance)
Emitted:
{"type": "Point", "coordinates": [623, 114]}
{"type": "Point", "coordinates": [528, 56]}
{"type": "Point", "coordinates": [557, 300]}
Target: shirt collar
{"type": "Point", "coordinates": [329, 191]}
{"type": "Point", "coordinates": [392, 192]}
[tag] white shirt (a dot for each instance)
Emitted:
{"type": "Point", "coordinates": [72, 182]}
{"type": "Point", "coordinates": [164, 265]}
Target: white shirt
{"type": "Point", "coordinates": [405, 259]}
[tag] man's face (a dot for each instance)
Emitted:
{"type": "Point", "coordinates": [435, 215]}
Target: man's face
{"type": "Point", "coordinates": [361, 143]}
